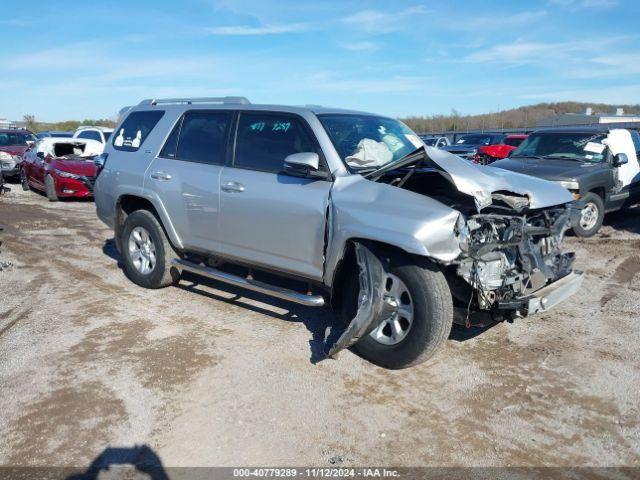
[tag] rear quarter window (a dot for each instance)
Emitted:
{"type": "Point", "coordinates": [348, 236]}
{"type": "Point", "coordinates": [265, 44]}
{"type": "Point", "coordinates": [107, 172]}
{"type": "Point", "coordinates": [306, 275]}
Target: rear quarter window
{"type": "Point", "coordinates": [132, 133]}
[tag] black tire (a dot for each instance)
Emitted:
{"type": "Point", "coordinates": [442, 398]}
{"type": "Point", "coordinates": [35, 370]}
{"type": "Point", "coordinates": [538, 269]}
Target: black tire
{"type": "Point", "coordinates": [590, 200]}
{"type": "Point", "coordinates": [162, 274]}
{"type": "Point", "coordinates": [433, 315]}
{"type": "Point", "coordinates": [50, 188]}
{"type": "Point", "coordinates": [23, 181]}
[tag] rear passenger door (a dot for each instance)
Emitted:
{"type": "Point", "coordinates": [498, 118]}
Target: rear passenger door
{"type": "Point", "coordinates": [185, 176]}
{"type": "Point", "coordinates": [269, 218]}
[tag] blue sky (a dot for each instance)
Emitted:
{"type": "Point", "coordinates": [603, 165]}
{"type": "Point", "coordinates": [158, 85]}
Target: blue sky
{"type": "Point", "coordinates": [71, 60]}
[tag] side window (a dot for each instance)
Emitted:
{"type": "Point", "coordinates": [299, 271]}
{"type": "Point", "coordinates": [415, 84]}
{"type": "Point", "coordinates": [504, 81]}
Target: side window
{"type": "Point", "coordinates": [264, 140]}
{"type": "Point", "coordinates": [134, 130]}
{"type": "Point", "coordinates": [201, 137]}
{"type": "Point", "coordinates": [635, 135]}
{"type": "Point", "coordinates": [171, 145]}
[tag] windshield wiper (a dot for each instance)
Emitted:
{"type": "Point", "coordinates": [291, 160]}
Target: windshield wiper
{"type": "Point", "coordinates": [539, 157]}
{"type": "Point", "coordinates": [562, 157]}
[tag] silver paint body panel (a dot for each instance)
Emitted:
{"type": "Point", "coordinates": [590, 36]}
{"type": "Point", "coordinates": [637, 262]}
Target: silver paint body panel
{"type": "Point", "coordinates": [289, 224]}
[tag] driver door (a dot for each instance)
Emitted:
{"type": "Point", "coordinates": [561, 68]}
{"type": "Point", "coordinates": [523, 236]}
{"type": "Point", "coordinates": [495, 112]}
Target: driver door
{"type": "Point", "coordinates": [268, 218]}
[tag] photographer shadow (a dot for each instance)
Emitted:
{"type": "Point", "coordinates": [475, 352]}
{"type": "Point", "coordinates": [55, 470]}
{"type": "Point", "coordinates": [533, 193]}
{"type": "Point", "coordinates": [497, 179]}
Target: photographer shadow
{"type": "Point", "coordinates": [141, 457]}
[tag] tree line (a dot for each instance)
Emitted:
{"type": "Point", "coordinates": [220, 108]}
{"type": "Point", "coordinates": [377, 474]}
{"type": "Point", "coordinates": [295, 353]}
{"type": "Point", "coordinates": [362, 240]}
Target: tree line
{"type": "Point", "coordinates": [521, 117]}
{"type": "Point", "coordinates": [67, 126]}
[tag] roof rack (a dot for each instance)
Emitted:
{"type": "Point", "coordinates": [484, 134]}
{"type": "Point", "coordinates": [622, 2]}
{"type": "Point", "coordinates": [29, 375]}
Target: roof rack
{"type": "Point", "coordinates": [189, 101]}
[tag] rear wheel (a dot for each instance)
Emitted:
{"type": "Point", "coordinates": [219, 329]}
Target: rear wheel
{"type": "Point", "coordinates": [591, 216]}
{"type": "Point", "coordinates": [420, 319]}
{"type": "Point", "coordinates": [147, 252]}
{"type": "Point", "coordinates": [50, 188]}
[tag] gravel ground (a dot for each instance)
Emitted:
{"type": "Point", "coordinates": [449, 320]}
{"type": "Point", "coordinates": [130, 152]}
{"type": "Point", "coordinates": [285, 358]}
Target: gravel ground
{"type": "Point", "coordinates": [205, 374]}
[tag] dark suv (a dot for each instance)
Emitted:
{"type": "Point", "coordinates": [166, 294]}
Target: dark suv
{"type": "Point", "coordinates": [468, 146]}
{"type": "Point", "coordinates": [598, 164]}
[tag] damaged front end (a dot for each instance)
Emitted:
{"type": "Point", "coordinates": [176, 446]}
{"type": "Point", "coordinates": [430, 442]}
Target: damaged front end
{"type": "Point", "coordinates": [508, 259]}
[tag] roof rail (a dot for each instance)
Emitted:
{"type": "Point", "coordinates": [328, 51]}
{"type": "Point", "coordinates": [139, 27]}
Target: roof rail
{"type": "Point", "coordinates": [189, 101]}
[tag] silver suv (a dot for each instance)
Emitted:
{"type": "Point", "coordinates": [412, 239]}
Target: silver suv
{"type": "Point", "coordinates": [325, 206]}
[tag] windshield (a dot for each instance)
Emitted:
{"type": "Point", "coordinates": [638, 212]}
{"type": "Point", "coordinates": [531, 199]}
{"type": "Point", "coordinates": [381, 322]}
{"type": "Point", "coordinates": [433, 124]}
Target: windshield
{"type": "Point", "coordinates": [513, 141]}
{"type": "Point", "coordinates": [474, 140]}
{"type": "Point", "coordinates": [564, 145]}
{"type": "Point", "coordinates": [365, 141]}
{"type": "Point", "coordinates": [62, 134]}
{"type": "Point", "coordinates": [17, 138]}
{"type": "Point", "coordinates": [106, 134]}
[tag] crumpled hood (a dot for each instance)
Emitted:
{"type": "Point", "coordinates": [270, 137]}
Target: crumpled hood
{"type": "Point", "coordinates": [481, 181]}
{"type": "Point", "coordinates": [547, 169]}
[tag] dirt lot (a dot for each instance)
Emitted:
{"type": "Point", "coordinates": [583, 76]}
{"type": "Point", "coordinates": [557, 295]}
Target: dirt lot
{"type": "Point", "coordinates": [208, 375]}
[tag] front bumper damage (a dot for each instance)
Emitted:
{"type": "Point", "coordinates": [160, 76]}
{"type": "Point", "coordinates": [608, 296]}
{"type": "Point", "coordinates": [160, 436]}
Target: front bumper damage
{"type": "Point", "coordinates": [509, 260]}
{"type": "Point", "coordinates": [554, 293]}
{"type": "Point", "coordinates": [511, 266]}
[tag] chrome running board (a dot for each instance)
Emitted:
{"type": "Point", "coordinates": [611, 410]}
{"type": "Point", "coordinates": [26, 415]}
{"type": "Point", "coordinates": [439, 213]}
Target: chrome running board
{"type": "Point", "coordinates": [250, 284]}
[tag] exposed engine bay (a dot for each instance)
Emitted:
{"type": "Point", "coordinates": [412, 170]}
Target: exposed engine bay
{"type": "Point", "coordinates": [509, 251]}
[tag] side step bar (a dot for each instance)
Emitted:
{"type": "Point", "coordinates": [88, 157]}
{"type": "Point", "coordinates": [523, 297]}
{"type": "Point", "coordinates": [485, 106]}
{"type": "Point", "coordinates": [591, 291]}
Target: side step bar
{"type": "Point", "coordinates": [249, 284]}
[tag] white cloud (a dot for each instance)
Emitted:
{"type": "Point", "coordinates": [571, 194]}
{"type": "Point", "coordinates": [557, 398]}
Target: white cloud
{"type": "Point", "coordinates": [544, 53]}
{"type": "Point", "coordinates": [622, 94]}
{"type": "Point", "coordinates": [584, 4]}
{"type": "Point", "coordinates": [360, 46]}
{"type": "Point", "coordinates": [377, 21]}
{"type": "Point", "coordinates": [243, 30]}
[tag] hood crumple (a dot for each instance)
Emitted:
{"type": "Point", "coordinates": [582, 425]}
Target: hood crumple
{"type": "Point", "coordinates": [481, 181]}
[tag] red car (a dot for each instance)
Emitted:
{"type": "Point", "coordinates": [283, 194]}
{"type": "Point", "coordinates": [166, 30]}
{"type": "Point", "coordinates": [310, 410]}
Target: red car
{"type": "Point", "coordinates": [491, 153]}
{"type": "Point", "coordinates": [61, 167]}
{"type": "Point", "coordinates": [13, 143]}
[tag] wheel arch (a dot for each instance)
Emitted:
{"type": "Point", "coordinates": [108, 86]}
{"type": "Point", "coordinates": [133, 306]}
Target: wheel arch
{"type": "Point", "coordinates": [129, 203]}
{"type": "Point", "coordinates": [347, 265]}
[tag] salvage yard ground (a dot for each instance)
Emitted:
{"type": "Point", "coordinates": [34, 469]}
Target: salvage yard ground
{"type": "Point", "coordinates": [205, 374]}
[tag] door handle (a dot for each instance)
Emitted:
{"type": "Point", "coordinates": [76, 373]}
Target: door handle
{"type": "Point", "coordinates": [161, 176]}
{"type": "Point", "coordinates": [232, 187]}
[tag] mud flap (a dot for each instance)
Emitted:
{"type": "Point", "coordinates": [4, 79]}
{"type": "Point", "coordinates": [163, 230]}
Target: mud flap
{"type": "Point", "coordinates": [370, 298]}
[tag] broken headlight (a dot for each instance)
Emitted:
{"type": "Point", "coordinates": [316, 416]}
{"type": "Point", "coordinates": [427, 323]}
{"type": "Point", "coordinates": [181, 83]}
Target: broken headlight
{"type": "Point", "coordinates": [569, 185]}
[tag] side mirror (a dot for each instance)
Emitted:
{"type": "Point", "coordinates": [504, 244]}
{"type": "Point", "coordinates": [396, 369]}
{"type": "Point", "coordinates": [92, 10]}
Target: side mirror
{"type": "Point", "coordinates": [620, 159]}
{"type": "Point", "coordinates": [303, 164]}
{"type": "Point", "coordinates": [40, 155]}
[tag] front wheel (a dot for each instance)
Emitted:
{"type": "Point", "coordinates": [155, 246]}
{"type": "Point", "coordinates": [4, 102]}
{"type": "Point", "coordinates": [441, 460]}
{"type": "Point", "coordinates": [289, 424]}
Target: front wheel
{"type": "Point", "coordinates": [420, 318]}
{"type": "Point", "coordinates": [50, 188]}
{"type": "Point", "coordinates": [147, 252]}
{"type": "Point", "coordinates": [591, 216]}
{"type": "Point", "coordinates": [23, 180]}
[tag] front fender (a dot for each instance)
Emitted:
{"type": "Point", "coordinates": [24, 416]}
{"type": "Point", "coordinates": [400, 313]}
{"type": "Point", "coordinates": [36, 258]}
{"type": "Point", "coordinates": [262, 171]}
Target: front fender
{"type": "Point", "coordinates": [363, 209]}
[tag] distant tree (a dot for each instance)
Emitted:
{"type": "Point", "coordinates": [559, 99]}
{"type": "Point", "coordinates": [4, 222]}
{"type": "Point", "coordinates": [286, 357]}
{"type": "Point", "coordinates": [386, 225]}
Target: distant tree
{"type": "Point", "coordinates": [520, 117]}
{"type": "Point", "coordinates": [30, 122]}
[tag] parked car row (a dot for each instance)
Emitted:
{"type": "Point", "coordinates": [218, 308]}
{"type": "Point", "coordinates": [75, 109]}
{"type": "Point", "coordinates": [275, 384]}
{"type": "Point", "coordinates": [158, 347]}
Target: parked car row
{"type": "Point", "coordinates": [597, 164]}
{"type": "Point", "coordinates": [324, 206]}
{"type": "Point", "coordinates": [57, 163]}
